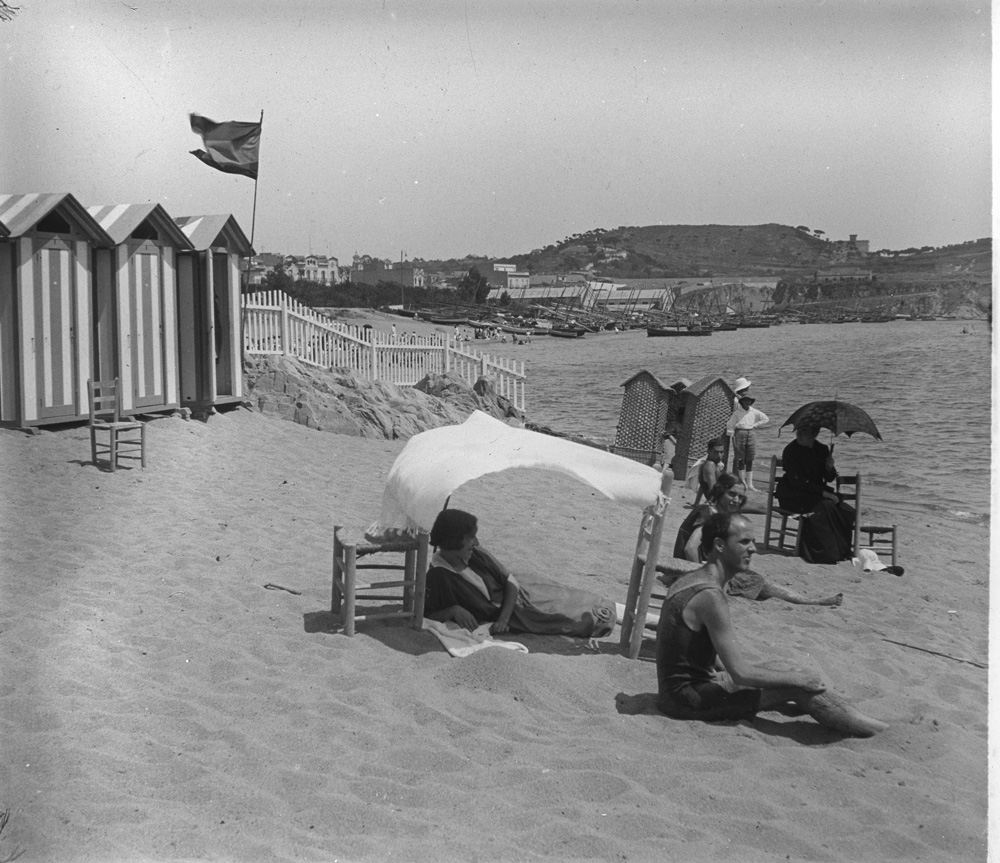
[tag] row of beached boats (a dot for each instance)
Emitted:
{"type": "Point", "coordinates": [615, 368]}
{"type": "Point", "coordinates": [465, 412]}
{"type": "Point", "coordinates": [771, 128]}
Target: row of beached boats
{"type": "Point", "coordinates": [547, 322]}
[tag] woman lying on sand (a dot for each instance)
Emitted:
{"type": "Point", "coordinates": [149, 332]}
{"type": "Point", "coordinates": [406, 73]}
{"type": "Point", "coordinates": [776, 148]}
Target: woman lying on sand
{"type": "Point", "coordinates": [729, 495]}
{"type": "Point", "coordinates": [466, 584]}
{"type": "Point", "coordinates": [695, 630]}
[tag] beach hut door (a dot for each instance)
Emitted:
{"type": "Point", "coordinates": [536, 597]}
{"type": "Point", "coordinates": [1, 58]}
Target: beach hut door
{"type": "Point", "coordinates": [53, 330]}
{"type": "Point", "coordinates": [146, 310]}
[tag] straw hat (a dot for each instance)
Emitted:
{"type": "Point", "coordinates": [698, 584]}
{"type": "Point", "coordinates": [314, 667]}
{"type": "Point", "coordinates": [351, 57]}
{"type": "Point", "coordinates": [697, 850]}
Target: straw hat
{"type": "Point", "coordinates": [741, 384]}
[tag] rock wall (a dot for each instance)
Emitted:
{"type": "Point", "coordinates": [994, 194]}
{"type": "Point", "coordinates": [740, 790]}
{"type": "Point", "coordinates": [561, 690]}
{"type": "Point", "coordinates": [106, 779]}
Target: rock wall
{"type": "Point", "coordinates": [341, 402]}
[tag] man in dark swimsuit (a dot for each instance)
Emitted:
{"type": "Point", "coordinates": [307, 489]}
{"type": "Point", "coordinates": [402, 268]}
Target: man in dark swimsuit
{"type": "Point", "coordinates": [695, 630]}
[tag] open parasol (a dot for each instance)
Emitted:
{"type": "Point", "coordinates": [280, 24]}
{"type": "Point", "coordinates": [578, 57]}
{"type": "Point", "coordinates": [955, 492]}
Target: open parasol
{"type": "Point", "coordinates": [837, 416]}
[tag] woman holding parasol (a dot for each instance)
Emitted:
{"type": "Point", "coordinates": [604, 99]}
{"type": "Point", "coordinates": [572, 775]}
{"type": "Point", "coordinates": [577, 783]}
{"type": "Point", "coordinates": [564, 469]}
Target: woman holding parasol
{"type": "Point", "coordinates": [828, 526]}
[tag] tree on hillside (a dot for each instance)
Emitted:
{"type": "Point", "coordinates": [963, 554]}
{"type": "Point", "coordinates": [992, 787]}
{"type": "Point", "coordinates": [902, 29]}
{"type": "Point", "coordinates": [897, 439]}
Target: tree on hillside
{"type": "Point", "coordinates": [474, 287]}
{"type": "Point", "coordinates": [801, 228]}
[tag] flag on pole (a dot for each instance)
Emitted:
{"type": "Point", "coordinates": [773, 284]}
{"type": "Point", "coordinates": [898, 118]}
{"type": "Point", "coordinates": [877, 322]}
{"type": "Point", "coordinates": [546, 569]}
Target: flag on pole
{"type": "Point", "coordinates": [232, 147]}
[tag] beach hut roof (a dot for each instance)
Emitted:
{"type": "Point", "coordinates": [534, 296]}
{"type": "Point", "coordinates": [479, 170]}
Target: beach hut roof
{"type": "Point", "coordinates": [120, 220]}
{"type": "Point", "coordinates": [702, 384]}
{"type": "Point", "coordinates": [663, 386]}
{"type": "Point", "coordinates": [203, 232]}
{"type": "Point", "coordinates": [20, 213]}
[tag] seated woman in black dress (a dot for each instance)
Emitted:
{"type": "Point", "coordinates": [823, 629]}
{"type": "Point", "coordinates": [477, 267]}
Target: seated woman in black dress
{"type": "Point", "coordinates": [828, 529]}
{"type": "Point", "coordinates": [729, 494]}
{"type": "Point", "coordinates": [469, 586]}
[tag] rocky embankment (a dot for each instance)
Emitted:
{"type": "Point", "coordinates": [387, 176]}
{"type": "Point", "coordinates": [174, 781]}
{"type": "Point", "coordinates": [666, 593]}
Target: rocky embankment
{"type": "Point", "coordinates": [341, 402]}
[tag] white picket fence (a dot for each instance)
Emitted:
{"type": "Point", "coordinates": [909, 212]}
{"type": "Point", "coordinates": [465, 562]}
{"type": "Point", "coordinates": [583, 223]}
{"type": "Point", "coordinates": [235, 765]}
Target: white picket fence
{"type": "Point", "coordinates": [274, 323]}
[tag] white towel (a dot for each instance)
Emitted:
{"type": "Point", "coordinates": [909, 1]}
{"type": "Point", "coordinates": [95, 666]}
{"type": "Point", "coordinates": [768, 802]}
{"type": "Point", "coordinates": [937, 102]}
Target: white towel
{"type": "Point", "coordinates": [868, 561]}
{"type": "Point", "coordinates": [691, 479]}
{"type": "Point", "coordinates": [460, 642]}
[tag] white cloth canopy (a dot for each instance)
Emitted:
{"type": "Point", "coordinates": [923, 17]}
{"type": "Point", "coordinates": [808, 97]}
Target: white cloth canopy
{"type": "Point", "coordinates": [436, 462]}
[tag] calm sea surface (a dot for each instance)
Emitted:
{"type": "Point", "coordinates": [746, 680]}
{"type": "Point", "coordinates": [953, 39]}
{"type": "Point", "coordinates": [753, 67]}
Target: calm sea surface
{"type": "Point", "coordinates": [926, 385]}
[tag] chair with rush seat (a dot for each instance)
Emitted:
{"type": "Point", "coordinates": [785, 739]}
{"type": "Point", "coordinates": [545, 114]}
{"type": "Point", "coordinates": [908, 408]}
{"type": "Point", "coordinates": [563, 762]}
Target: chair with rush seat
{"type": "Point", "coordinates": [347, 591]}
{"type": "Point", "coordinates": [877, 537]}
{"type": "Point", "coordinates": [125, 437]}
{"type": "Point", "coordinates": [782, 527]}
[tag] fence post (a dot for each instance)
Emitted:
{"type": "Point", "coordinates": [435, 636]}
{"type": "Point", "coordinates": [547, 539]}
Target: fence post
{"type": "Point", "coordinates": [482, 365]}
{"type": "Point", "coordinates": [373, 359]}
{"type": "Point", "coordinates": [284, 325]}
{"type": "Point", "coordinates": [447, 353]}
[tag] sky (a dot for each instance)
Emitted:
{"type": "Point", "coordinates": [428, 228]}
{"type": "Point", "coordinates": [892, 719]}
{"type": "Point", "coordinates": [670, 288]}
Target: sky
{"type": "Point", "coordinates": [443, 128]}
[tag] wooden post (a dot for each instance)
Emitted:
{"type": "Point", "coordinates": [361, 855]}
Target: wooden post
{"type": "Point", "coordinates": [284, 324]}
{"type": "Point", "coordinates": [373, 356]}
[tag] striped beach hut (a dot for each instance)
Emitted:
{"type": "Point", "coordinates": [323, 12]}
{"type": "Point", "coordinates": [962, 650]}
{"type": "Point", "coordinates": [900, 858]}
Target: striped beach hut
{"type": "Point", "coordinates": [136, 304]}
{"type": "Point", "coordinates": [704, 409]}
{"type": "Point", "coordinates": [46, 307]}
{"type": "Point", "coordinates": [209, 310]}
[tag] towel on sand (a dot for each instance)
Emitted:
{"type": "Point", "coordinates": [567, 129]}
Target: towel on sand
{"type": "Point", "coordinates": [460, 642]}
{"type": "Point", "coordinates": [436, 462]}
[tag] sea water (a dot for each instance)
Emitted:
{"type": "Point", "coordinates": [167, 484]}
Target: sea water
{"type": "Point", "coordinates": [926, 384]}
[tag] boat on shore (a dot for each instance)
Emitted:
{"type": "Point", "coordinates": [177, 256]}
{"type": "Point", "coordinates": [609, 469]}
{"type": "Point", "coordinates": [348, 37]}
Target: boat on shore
{"type": "Point", "coordinates": [567, 332]}
{"type": "Point", "coordinates": [658, 332]}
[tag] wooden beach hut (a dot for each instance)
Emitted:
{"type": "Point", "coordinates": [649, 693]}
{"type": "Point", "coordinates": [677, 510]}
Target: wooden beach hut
{"type": "Point", "coordinates": [703, 411]}
{"type": "Point", "coordinates": [135, 295]}
{"type": "Point", "coordinates": [649, 408]}
{"type": "Point", "coordinates": [209, 310]}
{"type": "Point", "coordinates": [46, 309]}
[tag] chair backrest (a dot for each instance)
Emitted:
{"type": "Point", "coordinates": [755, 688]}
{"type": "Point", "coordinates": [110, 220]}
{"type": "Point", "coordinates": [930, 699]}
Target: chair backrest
{"type": "Point", "coordinates": [104, 402]}
{"type": "Point", "coordinates": [849, 489]}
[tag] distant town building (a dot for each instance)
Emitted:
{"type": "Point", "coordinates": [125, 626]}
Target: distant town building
{"type": "Point", "coordinates": [323, 269]}
{"type": "Point", "coordinates": [506, 277]}
{"type": "Point", "coordinates": [262, 264]}
{"type": "Point", "coordinates": [367, 270]}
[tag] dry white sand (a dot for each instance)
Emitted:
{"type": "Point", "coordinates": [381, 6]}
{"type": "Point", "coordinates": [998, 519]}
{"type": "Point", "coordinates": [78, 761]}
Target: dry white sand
{"type": "Point", "coordinates": [157, 703]}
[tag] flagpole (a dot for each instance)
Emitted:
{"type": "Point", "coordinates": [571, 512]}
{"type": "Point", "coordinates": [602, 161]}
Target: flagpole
{"type": "Point", "coordinates": [250, 257]}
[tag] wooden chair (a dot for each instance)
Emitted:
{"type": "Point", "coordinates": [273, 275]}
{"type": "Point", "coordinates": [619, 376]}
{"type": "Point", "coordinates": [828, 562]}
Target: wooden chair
{"type": "Point", "coordinates": [643, 576]}
{"type": "Point", "coordinates": [347, 591]}
{"type": "Point", "coordinates": [782, 527]}
{"type": "Point", "coordinates": [105, 416]}
{"type": "Point", "coordinates": [878, 537]}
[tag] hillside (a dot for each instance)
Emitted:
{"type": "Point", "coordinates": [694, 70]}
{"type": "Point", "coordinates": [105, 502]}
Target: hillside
{"type": "Point", "coordinates": [765, 251]}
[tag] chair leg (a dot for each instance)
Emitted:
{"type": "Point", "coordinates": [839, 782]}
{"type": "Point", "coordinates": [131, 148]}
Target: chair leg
{"type": "Point", "coordinates": [113, 444]}
{"type": "Point", "coordinates": [420, 585]}
{"type": "Point", "coordinates": [142, 445]}
{"type": "Point", "coordinates": [93, 445]}
{"type": "Point", "coordinates": [350, 582]}
{"type": "Point", "coordinates": [409, 569]}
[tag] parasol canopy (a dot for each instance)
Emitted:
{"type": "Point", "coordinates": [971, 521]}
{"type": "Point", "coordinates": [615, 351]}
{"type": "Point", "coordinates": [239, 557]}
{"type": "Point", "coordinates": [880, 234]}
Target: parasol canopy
{"type": "Point", "coordinates": [837, 416]}
{"type": "Point", "coordinates": [436, 462]}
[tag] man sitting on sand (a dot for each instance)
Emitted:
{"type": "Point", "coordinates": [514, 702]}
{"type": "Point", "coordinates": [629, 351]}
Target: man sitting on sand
{"type": "Point", "coordinates": [695, 630]}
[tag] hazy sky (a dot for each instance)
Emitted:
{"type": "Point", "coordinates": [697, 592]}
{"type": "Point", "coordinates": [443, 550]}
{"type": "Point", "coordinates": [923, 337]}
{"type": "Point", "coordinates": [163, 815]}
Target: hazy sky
{"type": "Point", "coordinates": [450, 127]}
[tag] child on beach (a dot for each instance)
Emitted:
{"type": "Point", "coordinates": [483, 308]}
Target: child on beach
{"type": "Point", "coordinates": [740, 428]}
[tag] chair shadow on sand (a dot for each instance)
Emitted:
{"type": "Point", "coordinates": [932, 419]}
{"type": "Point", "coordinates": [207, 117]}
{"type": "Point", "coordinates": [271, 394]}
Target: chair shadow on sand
{"type": "Point", "coordinates": [400, 636]}
{"type": "Point", "coordinates": [803, 731]}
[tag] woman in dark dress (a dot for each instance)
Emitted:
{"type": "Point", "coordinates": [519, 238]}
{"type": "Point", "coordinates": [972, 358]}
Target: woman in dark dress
{"type": "Point", "coordinates": [828, 528]}
{"type": "Point", "coordinates": [468, 585]}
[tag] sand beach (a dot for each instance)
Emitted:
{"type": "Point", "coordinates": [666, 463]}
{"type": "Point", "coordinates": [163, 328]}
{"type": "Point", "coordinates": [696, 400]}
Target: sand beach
{"type": "Point", "coordinates": [159, 703]}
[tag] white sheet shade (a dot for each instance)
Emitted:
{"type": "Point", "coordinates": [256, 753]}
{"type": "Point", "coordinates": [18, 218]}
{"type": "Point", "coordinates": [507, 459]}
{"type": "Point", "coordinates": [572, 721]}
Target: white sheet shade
{"type": "Point", "coordinates": [435, 463]}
